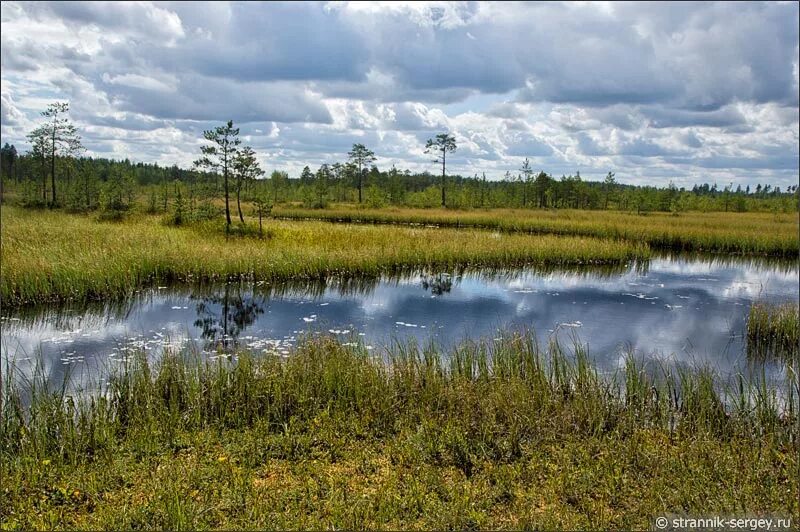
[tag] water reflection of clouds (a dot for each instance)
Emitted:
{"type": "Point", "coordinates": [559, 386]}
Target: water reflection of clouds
{"type": "Point", "coordinates": [681, 312]}
{"type": "Point", "coordinates": [747, 283]}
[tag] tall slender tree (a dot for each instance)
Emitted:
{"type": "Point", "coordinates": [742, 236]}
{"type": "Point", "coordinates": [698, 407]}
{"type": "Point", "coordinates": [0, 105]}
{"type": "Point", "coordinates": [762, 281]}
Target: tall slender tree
{"type": "Point", "coordinates": [278, 178]}
{"type": "Point", "coordinates": [442, 144]}
{"type": "Point", "coordinates": [361, 156]}
{"type": "Point", "coordinates": [9, 160]}
{"type": "Point", "coordinates": [526, 179]}
{"type": "Point", "coordinates": [321, 185]}
{"type": "Point", "coordinates": [608, 184]}
{"type": "Point", "coordinates": [540, 186]}
{"type": "Point", "coordinates": [8, 157]}
{"type": "Point", "coordinates": [39, 140]}
{"type": "Point", "coordinates": [63, 139]}
{"type": "Point", "coordinates": [219, 156]}
{"type": "Point", "coordinates": [337, 174]}
{"type": "Point", "coordinates": [246, 168]}
{"type": "Point", "coordinates": [90, 185]}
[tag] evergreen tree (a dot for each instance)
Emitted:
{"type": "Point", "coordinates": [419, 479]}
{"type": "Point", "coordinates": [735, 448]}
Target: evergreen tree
{"type": "Point", "coordinates": [525, 179]}
{"type": "Point", "coordinates": [306, 177]}
{"type": "Point", "coordinates": [608, 185]}
{"type": "Point", "coordinates": [321, 186]}
{"type": "Point", "coordinates": [278, 178]}
{"type": "Point", "coordinates": [219, 156]}
{"type": "Point", "coordinates": [442, 144]}
{"type": "Point", "coordinates": [39, 140]}
{"type": "Point", "coordinates": [62, 139]}
{"type": "Point", "coordinates": [246, 169]}
{"type": "Point", "coordinates": [360, 156]}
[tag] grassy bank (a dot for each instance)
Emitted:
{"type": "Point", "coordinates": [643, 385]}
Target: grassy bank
{"type": "Point", "coordinates": [772, 329]}
{"type": "Point", "coordinates": [757, 233]}
{"type": "Point", "coordinates": [491, 436]}
{"type": "Point", "coordinates": [50, 256]}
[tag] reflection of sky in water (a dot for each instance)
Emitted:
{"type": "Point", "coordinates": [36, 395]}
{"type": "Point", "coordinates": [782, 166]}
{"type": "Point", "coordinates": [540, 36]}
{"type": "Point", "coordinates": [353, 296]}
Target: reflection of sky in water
{"type": "Point", "coordinates": [677, 311]}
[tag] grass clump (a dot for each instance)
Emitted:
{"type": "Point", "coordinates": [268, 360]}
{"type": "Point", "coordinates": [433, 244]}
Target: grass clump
{"type": "Point", "coordinates": [773, 329]}
{"type": "Point", "coordinates": [49, 256]}
{"type": "Point", "coordinates": [490, 435]}
{"type": "Point", "coordinates": [755, 233]}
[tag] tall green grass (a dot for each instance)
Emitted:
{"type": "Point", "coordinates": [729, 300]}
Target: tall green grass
{"type": "Point", "coordinates": [502, 434]}
{"type": "Point", "coordinates": [773, 329]}
{"type": "Point", "coordinates": [49, 256]}
{"type": "Point", "coordinates": [757, 233]}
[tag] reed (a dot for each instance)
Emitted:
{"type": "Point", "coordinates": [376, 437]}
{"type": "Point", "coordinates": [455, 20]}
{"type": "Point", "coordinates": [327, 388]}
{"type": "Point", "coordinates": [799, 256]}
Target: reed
{"type": "Point", "coordinates": [772, 330]}
{"type": "Point", "coordinates": [500, 434]}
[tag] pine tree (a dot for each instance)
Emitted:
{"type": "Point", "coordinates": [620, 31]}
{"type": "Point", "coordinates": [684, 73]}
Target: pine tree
{"type": "Point", "coordinates": [442, 144]}
{"type": "Point", "coordinates": [219, 156]}
{"type": "Point", "coordinates": [63, 139]}
{"type": "Point", "coordinates": [360, 156]}
{"type": "Point", "coordinates": [245, 168]}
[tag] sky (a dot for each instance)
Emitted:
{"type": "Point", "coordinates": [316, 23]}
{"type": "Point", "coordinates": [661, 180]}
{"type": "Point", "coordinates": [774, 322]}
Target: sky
{"type": "Point", "coordinates": [654, 92]}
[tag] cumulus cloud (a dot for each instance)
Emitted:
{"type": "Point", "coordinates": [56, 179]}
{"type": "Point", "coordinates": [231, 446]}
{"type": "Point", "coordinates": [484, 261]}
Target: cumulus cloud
{"type": "Point", "coordinates": [144, 19]}
{"type": "Point", "coordinates": [9, 113]}
{"type": "Point", "coordinates": [652, 91]}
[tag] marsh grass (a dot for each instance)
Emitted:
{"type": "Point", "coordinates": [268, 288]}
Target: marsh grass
{"type": "Point", "coordinates": [772, 330]}
{"type": "Point", "coordinates": [756, 233]}
{"type": "Point", "coordinates": [501, 434]}
{"type": "Point", "coordinates": [51, 256]}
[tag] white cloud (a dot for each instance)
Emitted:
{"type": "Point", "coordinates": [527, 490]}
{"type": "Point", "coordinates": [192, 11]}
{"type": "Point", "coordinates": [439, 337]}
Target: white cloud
{"type": "Point", "coordinates": [8, 111]}
{"type": "Point", "coordinates": [138, 81]}
{"type": "Point", "coordinates": [688, 92]}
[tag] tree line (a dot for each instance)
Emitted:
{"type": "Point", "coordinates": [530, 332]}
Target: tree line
{"type": "Point", "coordinates": [55, 173]}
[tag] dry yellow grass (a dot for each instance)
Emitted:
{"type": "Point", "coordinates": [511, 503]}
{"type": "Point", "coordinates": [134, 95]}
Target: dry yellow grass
{"type": "Point", "coordinates": [52, 255]}
{"type": "Point", "coordinates": [760, 233]}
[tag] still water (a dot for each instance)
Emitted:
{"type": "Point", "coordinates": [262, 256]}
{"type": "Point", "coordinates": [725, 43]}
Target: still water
{"type": "Point", "coordinates": [678, 310]}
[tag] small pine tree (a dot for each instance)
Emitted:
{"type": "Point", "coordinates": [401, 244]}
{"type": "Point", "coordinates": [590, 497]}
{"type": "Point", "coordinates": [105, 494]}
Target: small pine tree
{"type": "Point", "coordinates": [117, 196]}
{"type": "Point", "coordinates": [74, 200]}
{"type": "Point", "coordinates": [165, 195]}
{"type": "Point", "coordinates": [152, 206]}
{"type": "Point", "coordinates": [263, 208]}
{"type": "Point", "coordinates": [178, 215]}
{"type": "Point", "coordinates": [31, 195]}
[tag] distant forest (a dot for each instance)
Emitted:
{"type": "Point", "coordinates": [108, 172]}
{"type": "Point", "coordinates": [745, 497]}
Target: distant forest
{"type": "Point", "coordinates": [54, 173]}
